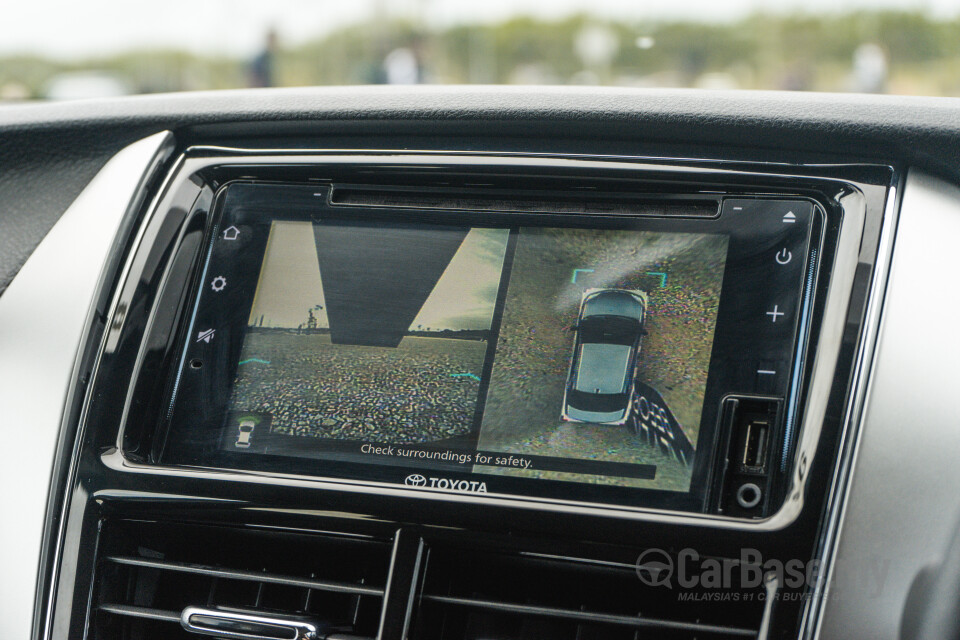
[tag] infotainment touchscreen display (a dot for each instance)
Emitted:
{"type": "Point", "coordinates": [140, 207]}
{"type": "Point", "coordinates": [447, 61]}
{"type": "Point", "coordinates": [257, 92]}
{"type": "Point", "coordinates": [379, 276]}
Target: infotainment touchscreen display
{"type": "Point", "coordinates": [579, 357]}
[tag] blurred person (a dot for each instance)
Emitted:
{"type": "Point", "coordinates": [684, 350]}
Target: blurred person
{"type": "Point", "coordinates": [372, 70]}
{"type": "Point", "coordinates": [870, 69]}
{"type": "Point", "coordinates": [260, 72]}
{"type": "Point", "coordinates": [798, 76]}
{"type": "Point", "coordinates": [403, 65]}
{"type": "Point", "coordinates": [596, 46]}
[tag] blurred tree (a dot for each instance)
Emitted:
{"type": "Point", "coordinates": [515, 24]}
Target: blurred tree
{"type": "Point", "coordinates": [761, 51]}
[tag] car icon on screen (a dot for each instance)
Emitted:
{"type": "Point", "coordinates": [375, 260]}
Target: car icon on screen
{"type": "Point", "coordinates": [244, 433]}
{"type": "Point", "coordinates": [609, 330]}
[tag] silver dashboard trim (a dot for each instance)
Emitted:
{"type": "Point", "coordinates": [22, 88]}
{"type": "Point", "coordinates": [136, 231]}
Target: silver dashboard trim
{"type": "Point", "coordinates": [840, 487]}
{"type": "Point", "coordinates": [241, 624]}
{"type": "Point", "coordinates": [45, 315]}
{"type": "Point", "coordinates": [898, 518]}
{"type": "Point", "coordinates": [851, 233]}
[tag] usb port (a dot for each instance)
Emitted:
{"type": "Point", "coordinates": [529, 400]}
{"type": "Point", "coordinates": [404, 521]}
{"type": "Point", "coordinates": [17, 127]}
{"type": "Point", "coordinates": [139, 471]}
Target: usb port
{"type": "Point", "coordinates": [755, 445]}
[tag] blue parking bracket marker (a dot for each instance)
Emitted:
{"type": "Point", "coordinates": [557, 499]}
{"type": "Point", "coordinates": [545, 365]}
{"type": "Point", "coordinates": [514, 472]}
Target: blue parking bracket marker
{"type": "Point", "coordinates": [663, 277]}
{"type": "Point", "coordinates": [573, 278]}
{"type": "Point", "coordinates": [465, 375]}
{"type": "Point", "coordinates": [253, 360]}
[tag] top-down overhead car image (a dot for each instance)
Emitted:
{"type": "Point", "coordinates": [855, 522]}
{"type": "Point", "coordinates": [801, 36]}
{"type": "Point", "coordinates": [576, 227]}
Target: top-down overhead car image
{"type": "Point", "coordinates": [609, 333]}
{"type": "Point", "coordinates": [513, 320]}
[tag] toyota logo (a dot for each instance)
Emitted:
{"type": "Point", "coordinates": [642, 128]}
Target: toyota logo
{"type": "Point", "coordinates": [415, 480]}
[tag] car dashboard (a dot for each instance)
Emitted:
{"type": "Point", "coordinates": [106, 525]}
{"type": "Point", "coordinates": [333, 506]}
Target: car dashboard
{"type": "Point", "coordinates": [463, 363]}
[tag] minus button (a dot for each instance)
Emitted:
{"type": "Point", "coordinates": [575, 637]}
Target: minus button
{"type": "Point", "coordinates": [769, 379]}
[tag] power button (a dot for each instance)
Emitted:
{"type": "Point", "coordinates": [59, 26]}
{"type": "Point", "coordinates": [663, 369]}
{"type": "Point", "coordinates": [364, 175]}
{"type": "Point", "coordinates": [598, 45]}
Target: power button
{"type": "Point", "coordinates": [784, 256]}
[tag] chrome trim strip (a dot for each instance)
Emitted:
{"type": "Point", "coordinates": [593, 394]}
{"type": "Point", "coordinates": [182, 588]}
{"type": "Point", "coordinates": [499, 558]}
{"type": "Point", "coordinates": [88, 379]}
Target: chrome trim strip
{"type": "Point", "coordinates": [240, 625]}
{"type": "Point", "coordinates": [443, 159]}
{"type": "Point", "coordinates": [45, 315]}
{"type": "Point", "coordinates": [901, 505]}
{"type": "Point", "coordinates": [652, 162]}
{"type": "Point", "coordinates": [852, 228]}
{"type": "Point", "coordinates": [146, 613]}
{"type": "Point", "coordinates": [853, 424]}
{"type": "Point", "coordinates": [771, 585]}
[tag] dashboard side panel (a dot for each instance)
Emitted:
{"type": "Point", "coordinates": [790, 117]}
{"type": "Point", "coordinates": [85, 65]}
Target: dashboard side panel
{"type": "Point", "coordinates": [42, 171]}
{"type": "Point", "coordinates": [44, 315]}
{"type": "Point", "coordinates": [903, 505]}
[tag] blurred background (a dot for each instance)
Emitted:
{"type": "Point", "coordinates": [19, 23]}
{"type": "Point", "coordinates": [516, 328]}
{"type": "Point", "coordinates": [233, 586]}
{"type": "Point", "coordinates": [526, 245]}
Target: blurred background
{"type": "Point", "coordinates": [63, 49]}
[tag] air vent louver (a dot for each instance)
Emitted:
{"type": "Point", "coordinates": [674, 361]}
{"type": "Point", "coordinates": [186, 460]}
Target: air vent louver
{"type": "Point", "coordinates": [148, 573]}
{"type": "Point", "coordinates": [497, 596]}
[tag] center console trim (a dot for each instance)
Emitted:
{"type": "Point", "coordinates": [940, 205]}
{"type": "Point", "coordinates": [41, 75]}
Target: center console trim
{"type": "Point", "coordinates": [851, 202]}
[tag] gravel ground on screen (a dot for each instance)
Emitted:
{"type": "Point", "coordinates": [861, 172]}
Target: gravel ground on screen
{"type": "Point", "coordinates": [416, 393]}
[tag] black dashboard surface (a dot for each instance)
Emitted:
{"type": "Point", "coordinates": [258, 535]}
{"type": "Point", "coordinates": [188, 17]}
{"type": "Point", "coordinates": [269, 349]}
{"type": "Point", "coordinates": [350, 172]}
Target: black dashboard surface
{"type": "Point", "coordinates": [48, 152]}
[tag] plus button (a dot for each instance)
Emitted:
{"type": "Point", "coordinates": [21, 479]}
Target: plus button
{"type": "Point", "coordinates": [776, 313]}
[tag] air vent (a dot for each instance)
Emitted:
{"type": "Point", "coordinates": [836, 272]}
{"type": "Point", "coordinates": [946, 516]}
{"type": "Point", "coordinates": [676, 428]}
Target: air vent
{"type": "Point", "coordinates": [148, 573]}
{"type": "Point", "coordinates": [497, 596]}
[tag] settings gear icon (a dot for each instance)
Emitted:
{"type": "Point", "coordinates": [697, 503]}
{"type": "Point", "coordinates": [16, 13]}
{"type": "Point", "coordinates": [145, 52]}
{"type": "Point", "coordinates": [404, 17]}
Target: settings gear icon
{"type": "Point", "coordinates": [219, 283]}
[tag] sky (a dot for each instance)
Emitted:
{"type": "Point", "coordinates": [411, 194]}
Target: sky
{"type": "Point", "coordinates": [67, 29]}
{"type": "Point", "coordinates": [467, 291]}
{"type": "Point", "coordinates": [291, 285]}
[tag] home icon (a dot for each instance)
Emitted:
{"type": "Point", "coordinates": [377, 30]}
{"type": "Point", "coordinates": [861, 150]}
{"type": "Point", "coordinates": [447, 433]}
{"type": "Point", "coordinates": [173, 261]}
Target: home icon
{"type": "Point", "coordinates": [231, 233]}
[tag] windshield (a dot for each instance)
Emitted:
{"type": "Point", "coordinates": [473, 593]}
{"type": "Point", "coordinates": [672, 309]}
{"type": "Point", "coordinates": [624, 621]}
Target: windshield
{"type": "Point", "coordinates": [609, 330]}
{"type": "Point", "coordinates": [61, 49]}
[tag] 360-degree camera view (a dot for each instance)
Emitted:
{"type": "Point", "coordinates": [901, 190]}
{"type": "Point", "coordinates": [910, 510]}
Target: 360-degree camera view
{"type": "Point", "coordinates": [604, 351]}
{"type": "Point", "coordinates": [580, 354]}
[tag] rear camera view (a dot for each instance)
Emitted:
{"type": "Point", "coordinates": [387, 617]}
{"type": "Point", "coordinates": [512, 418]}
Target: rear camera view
{"type": "Point", "coordinates": [368, 333]}
{"type": "Point", "coordinates": [603, 353]}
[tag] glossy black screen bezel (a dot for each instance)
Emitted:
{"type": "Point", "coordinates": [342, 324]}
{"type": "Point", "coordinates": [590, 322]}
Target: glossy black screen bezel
{"type": "Point", "coordinates": [291, 201]}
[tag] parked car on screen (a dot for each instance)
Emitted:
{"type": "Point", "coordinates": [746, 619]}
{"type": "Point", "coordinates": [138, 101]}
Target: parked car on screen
{"type": "Point", "coordinates": [609, 331]}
